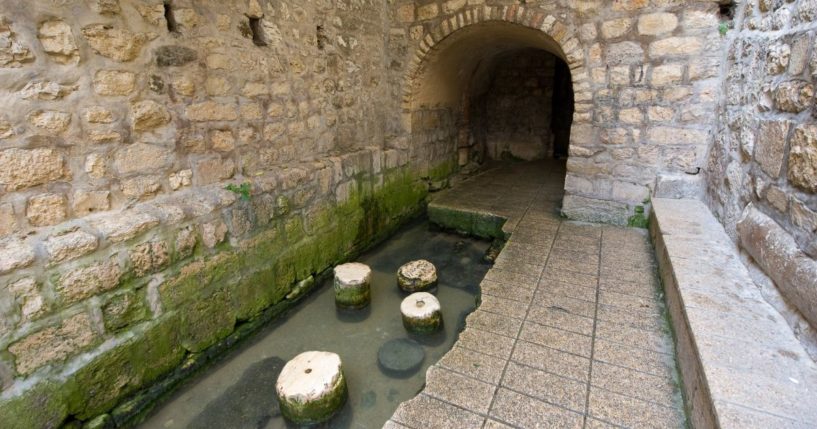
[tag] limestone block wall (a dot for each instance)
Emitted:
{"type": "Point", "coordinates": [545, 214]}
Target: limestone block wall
{"type": "Point", "coordinates": [645, 75]}
{"type": "Point", "coordinates": [122, 255]}
{"type": "Point", "coordinates": [762, 170]}
{"type": "Point", "coordinates": [518, 106]}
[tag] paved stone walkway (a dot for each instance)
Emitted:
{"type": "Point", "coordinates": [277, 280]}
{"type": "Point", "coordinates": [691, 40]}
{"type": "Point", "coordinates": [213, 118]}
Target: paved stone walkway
{"type": "Point", "coordinates": [571, 331]}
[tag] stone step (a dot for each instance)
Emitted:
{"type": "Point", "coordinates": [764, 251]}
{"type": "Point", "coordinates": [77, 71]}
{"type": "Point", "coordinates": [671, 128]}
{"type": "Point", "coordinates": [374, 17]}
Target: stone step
{"type": "Point", "coordinates": [741, 364]}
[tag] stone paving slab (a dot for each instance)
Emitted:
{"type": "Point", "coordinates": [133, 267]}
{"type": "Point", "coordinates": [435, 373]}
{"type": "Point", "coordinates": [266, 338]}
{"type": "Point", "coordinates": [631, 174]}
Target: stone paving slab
{"type": "Point", "coordinates": [571, 330]}
{"type": "Point", "coordinates": [741, 363]}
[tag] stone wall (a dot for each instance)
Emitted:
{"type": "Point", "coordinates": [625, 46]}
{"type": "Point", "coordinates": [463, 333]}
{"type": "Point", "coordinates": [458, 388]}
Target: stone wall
{"type": "Point", "coordinates": [645, 77]}
{"type": "Point", "coordinates": [123, 257]}
{"type": "Point", "coordinates": [762, 169]}
{"type": "Point", "coordinates": [518, 106]}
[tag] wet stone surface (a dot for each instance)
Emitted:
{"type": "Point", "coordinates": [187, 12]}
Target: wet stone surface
{"type": "Point", "coordinates": [571, 331]}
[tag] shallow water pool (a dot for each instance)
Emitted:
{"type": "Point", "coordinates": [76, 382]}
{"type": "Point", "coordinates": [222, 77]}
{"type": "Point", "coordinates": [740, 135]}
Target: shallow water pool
{"type": "Point", "coordinates": [240, 391]}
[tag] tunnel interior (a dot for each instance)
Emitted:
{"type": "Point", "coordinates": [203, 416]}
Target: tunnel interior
{"type": "Point", "coordinates": [501, 91]}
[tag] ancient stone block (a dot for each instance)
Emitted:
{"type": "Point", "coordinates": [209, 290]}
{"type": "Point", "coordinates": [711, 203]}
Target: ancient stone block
{"type": "Point", "coordinates": [14, 254]}
{"type": "Point", "coordinates": [46, 209]}
{"type": "Point", "coordinates": [777, 198]}
{"type": "Point", "coordinates": [8, 222]}
{"type": "Point", "coordinates": [116, 44]}
{"type": "Point", "coordinates": [58, 41]}
{"type": "Point", "coordinates": [88, 281]}
{"type": "Point", "coordinates": [667, 74]}
{"type": "Point", "coordinates": [46, 90]}
{"type": "Point", "coordinates": [142, 157]}
{"type": "Point", "coordinates": [769, 145]}
{"type": "Point", "coordinates": [105, 7]}
{"type": "Point", "coordinates": [21, 168]}
{"type": "Point", "coordinates": [213, 233]}
{"type": "Point", "coordinates": [114, 82]}
{"type": "Point", "coordinates": [50, 121]}
{"type": "Point", "coordinates": [777, 59]}
{"type": "Point", "coordinates": [149, 257]}
{"type": "Point", "coordinates": [616, 27]}
{"type": "Point", "coordinates": [676, 136]}
{"type": "Point", "coordinates": [124, 310]}
{"type": "Point", "coordinates": [186, 241]}
{"type": "Point", "coordinates": [624, 53]}
{"type": "Point", "coordinates": [803, 217]}
{"type": "Point", "coordinates": [629, 5]}
{"type": "Point", "coordinates": [142, 187]}
{"type": "Point", "coordinates": [53, 344]}
{"type": "Point", "coordinates": [222, 140]}
{"type": "Point", "coordinates": [174, 56]}
{"type": "Point", "coordinates": [85, 202]}
{"type": "Point", "coordinates": [212, 170]}
{"type": "Point", "coordinates": [148, 114]}
{"type": "Point", "coordinates": [428, 11]}
{"type": "Point", "coordinates": [72, 245]}
{"type": "Point", "coordinates": [180, 179]}
{"type": "Point", "coordinates": [212, 111]}
{"type": "Point", "coordinates": [152, 13]}
{"type": "Point", "coordinates": [803, 158]}
{"type": "Point", "coordinates": [793, 96]}
{"type": "Point", "coordinates": [124, 226]}
{"type": "Point", "coordinates": [12, 53]}
{"type": "Point", "coordinates": [27, 294]}
{"type": "Point", "coordinates": [657, 23]}
{"type": "Point", "coordinates": [675, 46]}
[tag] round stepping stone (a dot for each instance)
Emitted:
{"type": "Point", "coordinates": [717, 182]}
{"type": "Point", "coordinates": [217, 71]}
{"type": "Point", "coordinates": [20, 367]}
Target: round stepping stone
{"type": "Point", "coordinates": [352, 285]}
{"type": "Point", "coordinates": [417, 276]}
{"type": "Point", "coordinates": [402, 356]}
{"type": "Point", "coordinates": [421, 313]}
{"type": "Point", "coordinates": [311, 387]}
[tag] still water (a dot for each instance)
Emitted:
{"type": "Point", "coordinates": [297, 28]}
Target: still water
{"type": "Point", "coordinates": [240, 392]}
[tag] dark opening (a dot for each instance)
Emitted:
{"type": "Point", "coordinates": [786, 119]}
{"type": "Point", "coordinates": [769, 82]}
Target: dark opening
{"type": "Point", "coordinates": [320, 37]}
{"type": "Point", "coordinates": [520, 107]}
{"type": "Point", "coordinates": [726, 9]}
{"type": "Point", "coordinates": [257, 32]}
{"type": "Point", "coordinates": [169, 18]}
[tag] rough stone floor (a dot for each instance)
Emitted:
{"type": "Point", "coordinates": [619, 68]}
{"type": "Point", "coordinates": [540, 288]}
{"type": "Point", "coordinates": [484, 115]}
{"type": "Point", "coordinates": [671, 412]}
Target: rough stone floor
{"type": "Point", "coordinates": [571, 331]}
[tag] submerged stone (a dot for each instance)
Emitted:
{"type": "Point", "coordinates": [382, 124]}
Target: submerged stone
{"type": "Point", "coordinates": [401, 356]}
{"type": "Point", "coordinates": [421, 313]}
{"type": "Point", "coordinates": [417, 276]}
{"type": "Point", "coordinates": [352, 285]}
{"type": "Point", "coordinates": [311, 387]}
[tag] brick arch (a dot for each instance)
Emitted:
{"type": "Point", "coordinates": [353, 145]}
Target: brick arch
{"type": "Point", "coordinates": [572, 50]}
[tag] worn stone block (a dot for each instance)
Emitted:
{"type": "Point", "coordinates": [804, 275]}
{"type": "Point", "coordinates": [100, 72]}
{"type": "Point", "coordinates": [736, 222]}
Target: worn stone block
{"type": "Point", "coordinates": [769, 146]}
{"type": "Point", "coordinates": [46, 209]}
{"type": "Point", "coordinates": [72, 245]}
{"type": "Point", "coordinates": [803, 158]}
{"type": "Point", "coordinates": [116, 44]}
{"type": "Point", "coordinates": [53, 344]}
{"type": "Point", "coordinates": [58, 41]}
{"type": "Point", "coordinates": [87, 281]}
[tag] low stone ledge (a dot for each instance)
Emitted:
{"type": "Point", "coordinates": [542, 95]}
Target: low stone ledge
{"type": "Point", "coordinates": [741, 364]}
{"type": "Point", "coordinates": [794, 272]}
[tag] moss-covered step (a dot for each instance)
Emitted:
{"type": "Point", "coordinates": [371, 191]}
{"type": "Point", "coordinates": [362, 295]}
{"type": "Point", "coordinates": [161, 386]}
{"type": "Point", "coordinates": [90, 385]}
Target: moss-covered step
{"type": "Point", "coordinates": [353, 285]}
{"type": "Point", "coordinates": [421, 313]}
{"type": "Point", "coordinates": [311, 387]}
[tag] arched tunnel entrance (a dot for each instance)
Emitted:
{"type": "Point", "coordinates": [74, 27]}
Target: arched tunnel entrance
{"type": "Point", "coordinates": [492, 91]}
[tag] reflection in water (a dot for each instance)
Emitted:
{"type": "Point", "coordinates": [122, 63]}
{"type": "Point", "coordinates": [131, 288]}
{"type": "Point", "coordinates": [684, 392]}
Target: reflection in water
{"type": "Point", "coordinates": [240, 392]}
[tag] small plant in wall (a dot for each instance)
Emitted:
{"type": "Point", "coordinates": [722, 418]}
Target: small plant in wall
{"type": "Point", "coordinates": [723, 28]}
{"type": "Point", "coordinates": [243, 190]}
{"type": "Point", "coordinates": [638, 220]}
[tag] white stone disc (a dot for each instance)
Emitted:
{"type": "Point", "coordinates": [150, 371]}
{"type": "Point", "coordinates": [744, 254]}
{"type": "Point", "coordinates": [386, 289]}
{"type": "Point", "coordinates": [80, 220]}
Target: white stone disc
{"type": "Point", "coordinates": [352, 274]}
{"type": "Point", "coordinates": [420, 305]}
{"type": "Point", "coordinates": [309, 376]}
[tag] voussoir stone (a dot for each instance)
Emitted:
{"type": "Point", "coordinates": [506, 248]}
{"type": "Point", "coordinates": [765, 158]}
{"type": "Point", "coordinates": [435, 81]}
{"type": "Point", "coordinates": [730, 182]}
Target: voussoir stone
{"type": "Point", "coordinates": [311, 388]}
{"type": "Point", "coordinates": [417, 276]}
